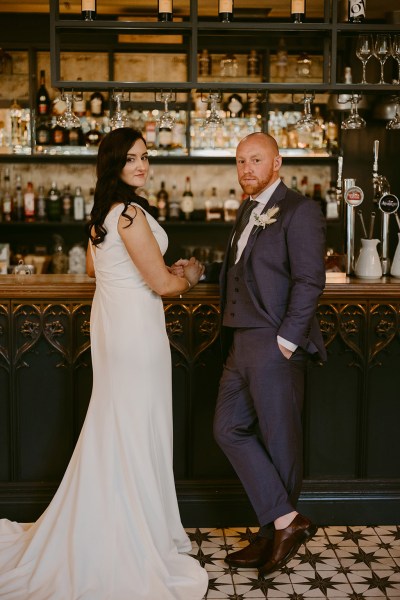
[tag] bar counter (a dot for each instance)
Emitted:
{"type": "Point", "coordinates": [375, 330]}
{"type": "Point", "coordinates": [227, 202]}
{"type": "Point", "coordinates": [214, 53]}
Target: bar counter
{"type": "Point", "coordinates": [351, 413]}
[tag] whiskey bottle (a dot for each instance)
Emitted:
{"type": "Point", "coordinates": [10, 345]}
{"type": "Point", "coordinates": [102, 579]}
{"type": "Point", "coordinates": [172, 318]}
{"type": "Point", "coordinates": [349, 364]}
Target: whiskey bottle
{"type": "Point", "coordinates": [174, 205]}
{"type": "Point", "coordinates": [96, 103]}
{"type": "Point", "coordinates": [165, 10]}
{"type": "Point", "coordinates": [7, 207]}
{"type": "Point", "coordinates": [43, 102]}
{"type": "Point", "coordinates": [41, 204]}
{"type": "Point", "coordinates": [88, 10]}
{"type": "Point", "coordinates": [187, 203]}
{"type": "Point", "coordinates": [54, 203]}
{"type": "Point", "coordinates": [66, 204]}
{"type": "Point", "coordinates": [162, 203]}
{"type": "Point", "coordinates": [298, 11]}
{"type": "Point", "coordinates": [205, 63]}
{"type": "Point", "coordinates": [18, 200]}
{"type": "Point", "coordinates": [29, 203]}
{"type": "Point", "coordinates": [225, 11]}
{"type": "Point", "coordinates": [79, 205]}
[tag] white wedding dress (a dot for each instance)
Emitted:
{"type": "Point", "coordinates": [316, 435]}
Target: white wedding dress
{"type": "Point", "coordinates": [113, 530]}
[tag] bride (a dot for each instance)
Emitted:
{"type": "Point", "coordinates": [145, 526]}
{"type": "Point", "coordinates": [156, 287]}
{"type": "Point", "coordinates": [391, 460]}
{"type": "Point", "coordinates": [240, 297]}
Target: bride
{"type": "Point", "coordinates": [113, 529]}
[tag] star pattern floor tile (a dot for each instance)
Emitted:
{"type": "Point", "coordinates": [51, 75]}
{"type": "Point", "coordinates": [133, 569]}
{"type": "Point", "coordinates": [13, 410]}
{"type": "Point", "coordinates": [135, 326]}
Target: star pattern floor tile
{"type": "Point", "coordinates": [339, 563]}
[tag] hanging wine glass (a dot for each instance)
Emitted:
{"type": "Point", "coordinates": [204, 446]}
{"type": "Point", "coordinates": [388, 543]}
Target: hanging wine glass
{"type": "Point", "coordinates": [396, 53]}
{"type": "Point", "coordinates": [68, 119]}
{"type": "Point", "coordinates": [167, 119]}
{"type": "Point", "coordinates": [213, 119]}
{"type": "Point", "coordinates": [382, 49]}
{"type": "Point", "coordinates": [364, 51]}
{"type": "Point", "coordinates": [395, 122]}
{"type": "Point", "coordinates": [118, 119]}
{"type": "Point", "coordinates": [354, 121]}
{"type": "Point", "coordinates": [307, 122]}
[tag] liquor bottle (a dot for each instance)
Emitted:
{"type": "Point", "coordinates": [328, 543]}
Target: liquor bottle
{"type": "Point", "coordinates": [332, 209]}
{"type": "Point", "coordinates": [66, 204]}
{"type": "Point", "coordinates": [41, 204]}
{"type": "Point", "coordinates": [356, 10]}
{"type": "Point", "coordinates": [75, 136]}
{"type": "Point", "coordinates": [7, 207]}
{"type": "Point", "coordinates": [214, 208]}
{"type": "Point", "coordinates": [152, 196]}
{"type": "Point", "coordinates": [54, 203]}
{"type": "Point", "coordinates": [165, 10]}
{"type": "Point", "coordinates": [179, 131]}
{"type": "Point", "coordinates": [18, 200]}
{"type": "Point", "coordinates": [205, 63]}
{"type": "Point", "coordinates": [96, 104]}
{"type": "Point", "coordinates": [162, 202]}
{"type": "Point", "coordinates": [150, 131]}
{"type": "Point", "coordinates": [79, 103]}
{"type": "Point", "coordinates": [59, 259]}
{"type": "Point", "coordinates": [231, 206]}
{"type": "Point", "coordinates": [43, 134]}
{"type": "Point", "coordinates": [174, 205]}
{"type": "Point", "coordinates": [89, 201]}
{"type": "Point", "coordinates": [43, 102]}
{"type": "Point", "coordinates": [293, 184]}
{"type": "Point", "coordinates": [187, 204]}
{"type": "Point", "coordinates": [79, 205]}
{"type": "Point", "coordinates": [317, 196]}
{"type": "Point", "coordinates": [93, 136]}
{"type": "Point", "coordinates": [225, 11]}
{"type": "Point", "coordinates": [59, 135]}
{"type": "Point", "coordinates": [165, 137]}
{"type": "Point", "coordinates": [304, 186]}
{"type": "Point", "coordinates": [297, 10]}
{"type": "Point", "coordinates": [88, 9]}
{"type": "Point", "coordinates": [253, 64]}
{"type": "Point", "coordinates": [29, 203]}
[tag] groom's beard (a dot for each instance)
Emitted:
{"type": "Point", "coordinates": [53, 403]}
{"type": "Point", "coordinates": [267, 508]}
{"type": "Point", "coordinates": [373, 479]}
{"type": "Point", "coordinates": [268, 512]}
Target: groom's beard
{"type": "Point", "coordinates": [256, 184]}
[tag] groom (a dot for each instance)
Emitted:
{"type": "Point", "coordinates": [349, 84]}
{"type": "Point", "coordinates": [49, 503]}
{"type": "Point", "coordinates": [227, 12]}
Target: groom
{"type": "Point", "coordinates": [271, 279]}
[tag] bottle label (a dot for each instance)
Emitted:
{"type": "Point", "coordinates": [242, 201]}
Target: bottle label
{"type": "Point", "coordinates": [225, 6]}
{"type": "Point", "coordinates": [298, 6]}
{"type": "Point", "coordinates": [165, 6]}
{"type": "Point", "coordinates": [95, 106]}
{"type": "Point", "coordinates": [29, 204]}
{"type": "Point", "coordinates": [356, 9]}
{"type": "Point", "coordinates": [89, 5]}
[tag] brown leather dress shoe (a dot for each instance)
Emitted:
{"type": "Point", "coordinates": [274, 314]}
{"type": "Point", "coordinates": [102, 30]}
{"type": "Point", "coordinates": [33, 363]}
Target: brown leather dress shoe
{"type": "Point", "coordinates": [257, 553]}
{"type": "Point", "coordinates": [287, 541]}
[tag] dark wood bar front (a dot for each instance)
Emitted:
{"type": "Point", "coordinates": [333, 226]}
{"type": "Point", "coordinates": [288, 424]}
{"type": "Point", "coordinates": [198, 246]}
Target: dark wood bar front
{"type": "Point", "coordinates": [351, 416]}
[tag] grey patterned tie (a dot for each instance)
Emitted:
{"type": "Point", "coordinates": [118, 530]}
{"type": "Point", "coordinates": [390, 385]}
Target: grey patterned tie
{"type": "Point", "coordinates": [240, 227]}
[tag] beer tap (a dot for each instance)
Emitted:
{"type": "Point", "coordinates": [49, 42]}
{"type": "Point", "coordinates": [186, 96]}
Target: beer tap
{"type": "Point", "coordinates": [353, 196]}
{"type": "Point", "coordinates": [388, 204]}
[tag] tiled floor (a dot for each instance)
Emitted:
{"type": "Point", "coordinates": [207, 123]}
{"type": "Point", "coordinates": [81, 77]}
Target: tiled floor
{"type": "Point", "coordinates": [344, 563]}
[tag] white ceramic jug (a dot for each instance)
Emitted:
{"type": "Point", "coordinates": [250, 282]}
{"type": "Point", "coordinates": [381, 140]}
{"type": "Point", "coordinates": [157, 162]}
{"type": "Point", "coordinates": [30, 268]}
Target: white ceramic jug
{"type": "Point", "coordinates": [368, 264]}
{"type": "Point", "coordinates": [395, 269]}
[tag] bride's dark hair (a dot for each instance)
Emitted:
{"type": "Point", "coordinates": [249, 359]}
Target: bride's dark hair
{"type": "Point", "coordinates": [110, 189]}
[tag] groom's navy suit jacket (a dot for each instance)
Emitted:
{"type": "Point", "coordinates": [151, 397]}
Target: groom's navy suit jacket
{"type": "Point", "coordinates": [284, 271]}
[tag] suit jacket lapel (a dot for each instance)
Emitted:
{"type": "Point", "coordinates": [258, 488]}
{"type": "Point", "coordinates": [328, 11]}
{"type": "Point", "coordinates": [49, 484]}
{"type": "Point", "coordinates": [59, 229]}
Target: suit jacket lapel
{"type": "Point", "coordinates": [276, 197]}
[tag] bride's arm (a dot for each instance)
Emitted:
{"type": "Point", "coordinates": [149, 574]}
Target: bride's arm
{"type": "Point", "coordinates": [145, 253]}
{"type": "Point", "coordinates": [89, 262]}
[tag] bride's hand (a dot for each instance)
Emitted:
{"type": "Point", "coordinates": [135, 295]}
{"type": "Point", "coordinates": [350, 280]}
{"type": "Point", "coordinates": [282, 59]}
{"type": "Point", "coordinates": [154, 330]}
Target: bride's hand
{"type": "Point", "coordinates": [193, 270]}
{"type": "Point", "coordinates": [178, 267]}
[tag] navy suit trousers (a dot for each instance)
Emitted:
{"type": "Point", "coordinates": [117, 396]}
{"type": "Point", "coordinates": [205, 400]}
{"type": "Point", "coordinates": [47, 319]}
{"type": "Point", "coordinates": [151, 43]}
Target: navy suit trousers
{"type": "Point", "coordinates": [258, 420]}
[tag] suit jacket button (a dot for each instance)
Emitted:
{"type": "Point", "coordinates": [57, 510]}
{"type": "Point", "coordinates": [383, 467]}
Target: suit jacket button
{"type": "Point", "coordinates": [236, 289]}
{"type": "Point", "coordinates": [236, 278]}
{"type": "Point", "coordinates": [232, 314]}
{"type": "Point", "coordinates": [233, 301]}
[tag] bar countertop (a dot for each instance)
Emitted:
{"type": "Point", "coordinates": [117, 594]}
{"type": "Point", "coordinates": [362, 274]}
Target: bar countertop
{"type": "Point", "coordinates": [82, 286]}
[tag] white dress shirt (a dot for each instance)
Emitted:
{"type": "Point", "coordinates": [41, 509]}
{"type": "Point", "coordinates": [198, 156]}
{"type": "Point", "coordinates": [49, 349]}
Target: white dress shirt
{"type": "Point", "coordinates": [260, 203]}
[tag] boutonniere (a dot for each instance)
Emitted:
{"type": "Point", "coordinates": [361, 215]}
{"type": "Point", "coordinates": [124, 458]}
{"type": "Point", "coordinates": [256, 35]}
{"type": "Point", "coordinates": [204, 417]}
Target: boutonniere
{"type": "Point", "coordinates": [267, 218]}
